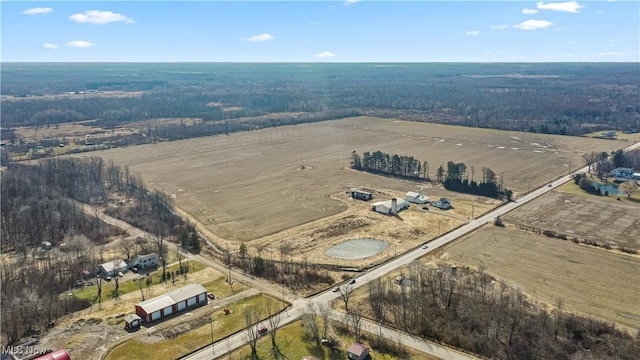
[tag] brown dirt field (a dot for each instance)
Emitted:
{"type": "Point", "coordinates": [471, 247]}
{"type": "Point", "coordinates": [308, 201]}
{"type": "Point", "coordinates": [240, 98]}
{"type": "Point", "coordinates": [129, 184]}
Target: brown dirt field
{"type": "Point", "coordinates": [247, 185]}
{"type": "Point", "coordinates": [585, 216]}
{"type": "Point", "coordinates": [590, 281]}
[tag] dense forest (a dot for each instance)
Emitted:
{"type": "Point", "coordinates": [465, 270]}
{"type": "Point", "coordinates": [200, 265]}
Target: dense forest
{"type": "Point", "coordinates": [550, 98]}
{"type": "Point", "coordinates": [42, 203]}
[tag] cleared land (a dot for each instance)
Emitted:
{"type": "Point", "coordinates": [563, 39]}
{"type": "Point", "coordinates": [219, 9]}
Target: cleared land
{"type": "Point", "coordinates": [590, 281]}
{"type": "Point", "coordinates": [247, 185]}
{"type": "Point", "coordinates": [590, 217]}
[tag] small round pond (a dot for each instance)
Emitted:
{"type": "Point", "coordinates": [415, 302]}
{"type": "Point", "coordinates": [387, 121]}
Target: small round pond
{"type": "Point", "coordinates": [357, 249]}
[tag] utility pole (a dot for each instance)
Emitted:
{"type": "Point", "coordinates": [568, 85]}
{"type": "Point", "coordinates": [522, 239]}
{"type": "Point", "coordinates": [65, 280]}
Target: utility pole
{"type": "Point", "coordinates": [229, 263]}
{"type": "Point", "coordinates": [213, 350]}
{"type": "Point", "coordinates": [438, 227]}
{"type": "Point", "coordinates": [472, 209]}
{"type": "Point", "coordinates": [528, 185]}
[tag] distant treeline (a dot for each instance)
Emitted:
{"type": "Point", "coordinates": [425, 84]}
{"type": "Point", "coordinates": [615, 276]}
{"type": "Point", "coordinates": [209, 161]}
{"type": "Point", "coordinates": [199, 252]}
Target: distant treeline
{"type": "Point", "coordinates": [546, 98]}
{"type": "Point", "coordinates": [454, 178]}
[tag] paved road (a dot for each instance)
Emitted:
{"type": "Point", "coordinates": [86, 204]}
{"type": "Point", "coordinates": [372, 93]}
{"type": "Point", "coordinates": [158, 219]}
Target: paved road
{"type": "Point", "coordinates": [297, 310]}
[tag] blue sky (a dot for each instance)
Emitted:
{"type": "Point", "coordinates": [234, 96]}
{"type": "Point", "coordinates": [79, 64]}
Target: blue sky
{"type": "Point", "coordinates": [329, 31]}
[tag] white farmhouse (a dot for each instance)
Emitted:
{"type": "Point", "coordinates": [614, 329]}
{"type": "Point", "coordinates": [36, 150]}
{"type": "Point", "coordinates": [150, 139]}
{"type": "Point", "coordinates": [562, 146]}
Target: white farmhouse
{"type": "Point", "coordinates": [143, 261]}
{"type": "Point", "coordinates": [416, 198]}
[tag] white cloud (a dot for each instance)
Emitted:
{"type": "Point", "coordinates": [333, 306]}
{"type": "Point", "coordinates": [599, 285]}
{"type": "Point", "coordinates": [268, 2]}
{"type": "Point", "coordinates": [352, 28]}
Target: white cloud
{"type": "Point", "coordinates": [100, 17]}
{"type": "Point", "coordinates": [50, 46]}
{"type": "Point", "coordinates": [533, 24]}
{"type": "Point", "coordinates": [324, 54]}
{"type": "Point", "coordinates": [499, 27]}
{"type": "Point", "coordinates": [529, 11]}
{"type": "Point", "coordinates": [611, 40]}
{"type": "Point", "coordinates": [349, 2]}
{"type": "Point", "coordinates": [79, 44]}
{"type": "Point", "coordinates": [472, 33]}
{"type": "Point", "coordinates": [258, 38]}
{"type": "Point", "coordinates": [610, 53]}
{"type": "Point", "coordinates": [600, 12]}
{"type": "Point", "coordinates": [569, 6]}
{"type": "Point", "coordinates": [36, 11]}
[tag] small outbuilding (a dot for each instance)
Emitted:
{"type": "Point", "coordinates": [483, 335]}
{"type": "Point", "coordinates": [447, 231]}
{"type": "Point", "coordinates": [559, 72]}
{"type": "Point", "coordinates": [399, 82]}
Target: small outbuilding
{"type": "Point", "coordinates": [416, 198]}
{"type": "Point", "coordinates": [443, 203]}
{"type": "Point", "coordinates": [390, 207]}
{"type": "Point", "coordinates": [361, 195]}
{"type": "Point", "coordinates": [132, 321]}
{"type": "Point", "coordinates": [357, 351]}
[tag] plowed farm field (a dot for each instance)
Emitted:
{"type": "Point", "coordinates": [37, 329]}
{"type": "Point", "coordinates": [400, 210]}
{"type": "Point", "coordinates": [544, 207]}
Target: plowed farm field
{"type": "Point", "coordinates": [244, 186]}
{"type": "Point", "coordinates": [590, 281]}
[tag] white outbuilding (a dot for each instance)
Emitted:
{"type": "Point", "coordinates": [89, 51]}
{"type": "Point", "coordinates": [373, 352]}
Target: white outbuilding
{"type": "Point", "coordinates": [416, 198]}
{"type": "Point", "coordinates": [390, 207]}
{"type": "Point", "coordinates": [111, 268]}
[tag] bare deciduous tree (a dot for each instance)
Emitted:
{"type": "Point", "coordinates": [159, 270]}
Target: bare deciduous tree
{"type": "Point", "coordinates": [251, 317]}
{"type": "Point", "coordinates": [274, 318]}
{"type": "Point", "coordinates": [346, 292]}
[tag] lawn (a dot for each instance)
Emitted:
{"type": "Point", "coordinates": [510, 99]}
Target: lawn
{"type": "Point", "coordinates": [220, 288]}
{"type": "Point", "coordinates": [108, 287]}
{"type": "Point", "coordinates": [294, 343]}
{"type": "Point", "coordinates": [151, 346]}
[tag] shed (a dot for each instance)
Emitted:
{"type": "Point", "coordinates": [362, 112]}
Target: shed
{"type": "Point", "coordinates": [361, 195]}
{"type": "Point", "coordinates": [132, 321]}
{"type": "Point", "coordinates": [172, 302]}
{"type": "Point", "coordinates": [415, 197]}
{"type": "Point", "coordinates": [113, 267]}
{"type": "Point", "coordinates": [358, 351]}
{"type": "Point", "coordinates": [443, 203]}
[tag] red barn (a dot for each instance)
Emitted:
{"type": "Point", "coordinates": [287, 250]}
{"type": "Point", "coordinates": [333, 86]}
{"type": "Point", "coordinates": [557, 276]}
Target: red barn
{"type": "Point", "coordinates": [61, 354]}
{"type": "Point", "coordinates": [172, 302]}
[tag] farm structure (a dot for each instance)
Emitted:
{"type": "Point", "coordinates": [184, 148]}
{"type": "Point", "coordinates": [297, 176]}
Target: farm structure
{"type": "Point", "coordinates": [416, 198]}
{"type": "Point", "coordinates": [143, 261]}
{"type": "Point", "coordinates": [361, 195]}
{"type": "Point", "coordinates": [112, 267]}
{"type": "Point", "coordinates": [172, 302]}
{"type": "Point", "coordinates": [357, 351]}
{"type": "Point", "coordinates": [60, 354]}
{"type": "Point", "coordinates": [444, 203]}
{"type": "Point", "coordinates": [624, 174]}
{"type": "Point", "coordinates": [390, 207]}
{"type": "Point", "coordinates": [132, 321]}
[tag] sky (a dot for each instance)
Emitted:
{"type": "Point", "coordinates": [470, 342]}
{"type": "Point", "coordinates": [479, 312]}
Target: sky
{"type": "Point", "coordinates": [320, 31]}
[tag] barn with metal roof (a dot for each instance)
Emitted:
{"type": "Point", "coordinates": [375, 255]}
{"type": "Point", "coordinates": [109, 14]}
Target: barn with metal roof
{"type": "Point", "coordinates": [172, 302]}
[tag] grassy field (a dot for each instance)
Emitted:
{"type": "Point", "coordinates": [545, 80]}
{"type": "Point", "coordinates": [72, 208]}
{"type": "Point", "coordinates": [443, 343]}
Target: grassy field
{"type": "Point", "coordinates": [157, 346]}
{"type": "Point", "coordinates": [125, 287]}
{"type": "Point", "coordinates": [294, 345]}
{"type": "Point", "coordinates": [220, 288]}
{"type": "Point", "coordinates": [247, 185]}
{"type": "Point", "coordinates": [590, 281]}
{"type": "Point", "coordinates": [573, 211]}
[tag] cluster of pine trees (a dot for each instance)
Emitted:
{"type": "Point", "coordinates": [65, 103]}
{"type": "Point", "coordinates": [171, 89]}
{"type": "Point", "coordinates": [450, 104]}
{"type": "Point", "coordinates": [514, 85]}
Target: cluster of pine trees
{"type": "Point", "coordinates": [394, 165]}
{"type": "Point", "coordinates": [453, 178]}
